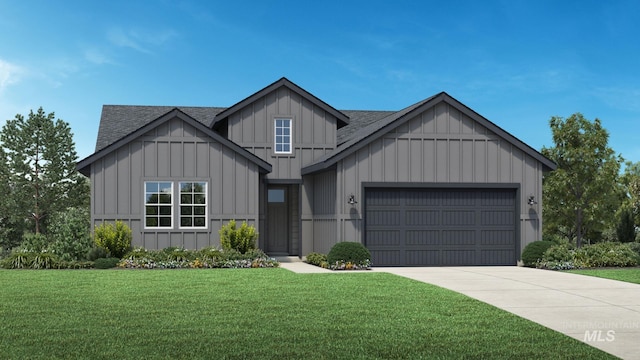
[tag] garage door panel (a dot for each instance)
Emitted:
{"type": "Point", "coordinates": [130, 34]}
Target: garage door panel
{"type": "Point", "coordinates": [386, 257]}
{"type": "Point", "coordinates": [422, 217]}
{"type": "Point", "coordinates": [497, 217]}
{"type": "Point", "coordinates": [441, 227]}
{"type": "Point", "coordinates": [459, 257]}
{"type": "Point", "coordinates": [383, 238]}
{"type": "Point", "coordinates": [497, 237]}
{"type": "Point", "coordinates": [422, 198]}
{"type": "Point", "coordinates": [422, 237]}
{"type": "Point", "coordinates": [458, 218]}
{"type": "Point", "coordinates": [421, 257]}
{"type": "Point", "coordinates": [497, 257]}
{"type": "Point", "coordinates": [458, 237]}
{"type": "Point", "coordinates": [383, 218]}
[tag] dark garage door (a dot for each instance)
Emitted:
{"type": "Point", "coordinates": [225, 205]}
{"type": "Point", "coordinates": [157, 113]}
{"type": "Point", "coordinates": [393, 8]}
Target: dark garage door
{"type": "Point", "coordinates": [440, 227]}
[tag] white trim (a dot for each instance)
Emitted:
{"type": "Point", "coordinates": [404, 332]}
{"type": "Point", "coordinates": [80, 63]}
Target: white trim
{"type": "Point", "coordinates": [275, 136]}
{"type": "Point", "coordinates": [144, 205]}
{"type": "Point", "coordinates": [206, 206]}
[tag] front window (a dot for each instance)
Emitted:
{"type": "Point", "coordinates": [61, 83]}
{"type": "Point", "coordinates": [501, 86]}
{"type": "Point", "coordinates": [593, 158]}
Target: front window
{"type": "Point", "coordinates": [193, 204]}
{"type": "Point", "coordinates": [283, 136]}
{"type": "Point", "coordinates": [158, 204]}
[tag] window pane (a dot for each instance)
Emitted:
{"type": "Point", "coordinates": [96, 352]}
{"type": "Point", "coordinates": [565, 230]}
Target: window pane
{"type": "Point", "coordinates": [199, 221]}
{"type": "Point", "coordinates": [185, 199]}
{"type": "Point", "coordinates": [199, 187]}
{"type": "Point", "coordinates": [279, 131]}
{"type": "Point", "coordinates": [185, 210]}
{"type": "Point", "coordinates": [185, 221]}
{"type": "Point", "coordinates": [286, 131]}
{"type": "Point", "coordinates": [151, 187]}
{"type": "Point", "coordinates": [186, 187]}
{"type": "Point", "coordinates": [151, 210]}
{"type": "Point", "coordinates": [165, 222]}
{"type": "Point", "coordinates": [165, 210]}
{"type": "Point", "coordinates": [198, 210]}
{"type": "Point", "coordinates": [275, 195]}
{"type": "Point", "coordinates": [165, 198]}
{"type": "Point", "coordinates": [278, 147]}
{"type": "Point", "coordinates": [152, 222]}
{"type": "Point", "coordinates": [152, 198]}
{"type": "Point", "coordinates": [165, 187]}
{"type": "Point", "coordinates": [286, 148]}
{"type": "Point", "coordinates": [199, 199]}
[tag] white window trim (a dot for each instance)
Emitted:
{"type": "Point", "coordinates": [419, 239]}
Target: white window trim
{"type": "Point", "coordinates": [144, 211]}
{"type": "Point", "coordinates": [275, 143]}
{"type": "Point", "coordinates": [206, 205]}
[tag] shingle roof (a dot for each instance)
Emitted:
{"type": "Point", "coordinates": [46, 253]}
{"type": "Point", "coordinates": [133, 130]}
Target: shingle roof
{"type": "Point", "coordinates": [118, 121]}
{"type": "Point", "coordinates": [357, 120]}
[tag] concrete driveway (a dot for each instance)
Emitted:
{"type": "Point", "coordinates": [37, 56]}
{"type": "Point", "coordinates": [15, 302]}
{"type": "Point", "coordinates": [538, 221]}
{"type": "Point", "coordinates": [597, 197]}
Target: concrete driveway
{"type": "Point", "coordinates": [602, 313]}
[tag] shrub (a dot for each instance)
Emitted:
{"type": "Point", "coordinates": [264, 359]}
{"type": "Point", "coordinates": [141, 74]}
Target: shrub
{"type": "Point", "coordinates": [115, 239]}
{"type": "Point", "coordinates": [210, 253]}
{"type": "Point", "coordinates": [242, 239]}
{"type": "Point", "coordinates": [534, 251]}
{"type": "Point", "coordinates": [607, 254]}
{"type": "Point", "coordinates": [44, 260]}
{"type": "Point", "coordinates": [106, 263]}
{"type": "Point", "coordinates": [558, 253]}
{"type": "Point", "coordinates": [19, 259]}
{"type": "Point", "coordinates": [34, 242]}
{"type": "Point", "coordinates": [96, 252]}
{"type": "Point", "coordinates": [70, 234]}
{"type": "Point", "coordinates": [634, 246]}
{"type": "Point", "coordinates": [349, 252]}
{"type": "Point", "coordinates": [318, 259]}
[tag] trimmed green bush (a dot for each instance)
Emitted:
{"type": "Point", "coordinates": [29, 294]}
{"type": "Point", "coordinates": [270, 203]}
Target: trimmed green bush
{"type": "Point", "coordinates": [96, 252]}
{"type": "Point", "coordinates": [106, 263]}
{"type": "Point", "coordinates": [242, 239]}
{"type": "Point", "coordinates": [534, 252]}
{"type": "Point", "coordinates": [558, 253]}
{"type": "Point", "coordinates": [318, 259]}
{"type": "Point", "coordinates": [116, 239]}
{"type": "Point", "coordinates": [347, 251]}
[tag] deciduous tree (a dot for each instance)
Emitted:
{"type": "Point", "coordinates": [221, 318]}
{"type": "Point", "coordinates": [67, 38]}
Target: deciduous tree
{"type": "Point", "coordinates": [582, 195]}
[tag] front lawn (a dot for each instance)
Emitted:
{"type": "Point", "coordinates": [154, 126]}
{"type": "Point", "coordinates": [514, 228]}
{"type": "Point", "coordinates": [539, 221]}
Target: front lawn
{"type": "Point", "coordinates": [257, 313]}
{"type": "Point", "coordinates": [631, 275]}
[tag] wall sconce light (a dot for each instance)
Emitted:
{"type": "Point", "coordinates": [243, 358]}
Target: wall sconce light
{"type": "Point", "coordinates": [531, 200]}
{"type": "Point", "coordinates": [352, 200]}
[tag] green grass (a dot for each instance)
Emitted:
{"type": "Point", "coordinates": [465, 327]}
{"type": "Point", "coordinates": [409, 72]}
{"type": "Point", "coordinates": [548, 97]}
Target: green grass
{"type": "Point", "coordinates": [257, 313]}
{"type": "Point", "coordinates": [631, 275]}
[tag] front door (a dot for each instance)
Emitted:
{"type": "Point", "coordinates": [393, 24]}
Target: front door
{"type": "Point", "coordinates": [278, 219]}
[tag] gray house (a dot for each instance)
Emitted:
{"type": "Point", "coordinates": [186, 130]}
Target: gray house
{"type": "Point", "coordinates": [432, 184]}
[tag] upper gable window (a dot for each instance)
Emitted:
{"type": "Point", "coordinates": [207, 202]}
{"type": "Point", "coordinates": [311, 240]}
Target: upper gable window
{"type": "Point", "coordinates": [282, 138]}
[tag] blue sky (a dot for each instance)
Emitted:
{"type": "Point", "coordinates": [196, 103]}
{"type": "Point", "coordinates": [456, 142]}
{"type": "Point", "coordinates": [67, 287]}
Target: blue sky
{"type": "Point", "coordinates": [517, 63]}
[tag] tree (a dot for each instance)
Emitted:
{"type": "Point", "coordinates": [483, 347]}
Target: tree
{"type": "Point", "coordinates": [582, 195]}
{"type": "Point", "coordinates": [41, 160]}
{"type": "Point", "coordinates": [626, 229]}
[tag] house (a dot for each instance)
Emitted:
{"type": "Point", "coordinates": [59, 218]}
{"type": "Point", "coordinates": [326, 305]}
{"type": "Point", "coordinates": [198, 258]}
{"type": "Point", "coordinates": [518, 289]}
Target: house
{"type": "Point", "coordinates": [432, 184]}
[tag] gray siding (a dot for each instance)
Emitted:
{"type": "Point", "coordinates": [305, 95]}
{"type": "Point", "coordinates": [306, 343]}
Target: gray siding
{"type": "Point", "coordinates": [174, 151]}
{"type": "Point", "coordinates": [318, 219]}
{"type": "Point", "coordinates": [440, 145]}
{"type": "Point", "coordinates": [314, 131]}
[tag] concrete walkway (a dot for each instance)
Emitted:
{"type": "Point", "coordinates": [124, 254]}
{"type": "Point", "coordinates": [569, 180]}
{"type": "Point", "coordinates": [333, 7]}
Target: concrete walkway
{"type": "Point", "coordinates": [602, 313]}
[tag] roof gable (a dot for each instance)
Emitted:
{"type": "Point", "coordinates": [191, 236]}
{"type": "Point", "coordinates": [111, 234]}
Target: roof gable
{"type": "Point", "coordinates": [342, 118]}
{"type": "Point", "coordinates": [117, 121]}
{"type": "Point", "coordinates": [83, 165]}
{"type": "Point", "coordinates": [367, 134]}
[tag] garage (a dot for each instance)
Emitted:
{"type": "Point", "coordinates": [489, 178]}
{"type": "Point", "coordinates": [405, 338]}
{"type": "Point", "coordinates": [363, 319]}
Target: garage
{"type": "Point", "coordinates": [441, 226]}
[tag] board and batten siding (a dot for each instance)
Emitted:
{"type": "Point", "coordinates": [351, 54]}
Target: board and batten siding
{"type": "Point", "coordinates": [318, 215]}
{"type": "Point", "coordinates": [439, 146]}
{"type": "Point", "coordinates": [314, 131]}
{"type": "Point", "coordinates": [174, 151]}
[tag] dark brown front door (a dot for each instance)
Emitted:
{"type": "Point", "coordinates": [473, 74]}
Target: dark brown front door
{"type": "Point", "coordinates": [277, 219]}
